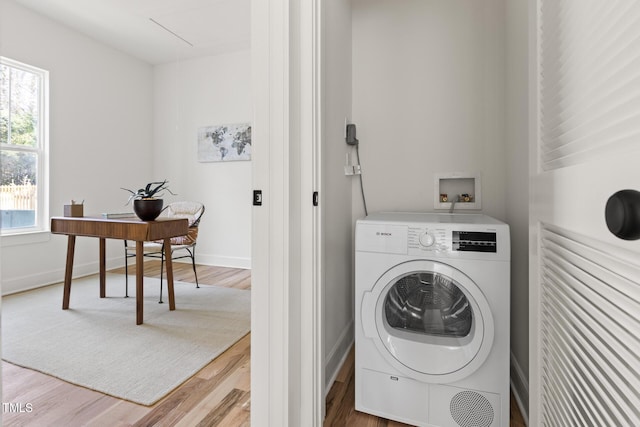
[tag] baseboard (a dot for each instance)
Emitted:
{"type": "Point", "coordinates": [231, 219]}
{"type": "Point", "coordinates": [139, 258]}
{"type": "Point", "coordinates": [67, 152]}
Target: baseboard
{"type": "Point", "coordinates": [338, 355]}
{"type": "Point", "coordinates": [223, 261]}
{"type": "Point", "coordinates": [45, 278]}
{"type": "Point", "coordinates": [520, 388]}
{"type": "Point", "coordinates": [32, 281]}
{"type": "Point", "coordinates": [213, 260]}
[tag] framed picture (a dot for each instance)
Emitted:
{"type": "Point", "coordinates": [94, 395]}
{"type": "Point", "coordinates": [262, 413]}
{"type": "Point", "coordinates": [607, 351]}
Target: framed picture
{"type": "Point", "coordinates": [224, 143]}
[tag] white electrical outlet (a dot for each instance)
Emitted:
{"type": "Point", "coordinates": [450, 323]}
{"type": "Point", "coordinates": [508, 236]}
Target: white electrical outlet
{"type": "Point", "coordinates": [348, 167]}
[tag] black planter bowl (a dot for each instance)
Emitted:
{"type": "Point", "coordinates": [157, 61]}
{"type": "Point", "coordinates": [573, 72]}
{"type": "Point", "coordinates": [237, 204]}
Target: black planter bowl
{"type": "Point", "coordinates": [147, 209]}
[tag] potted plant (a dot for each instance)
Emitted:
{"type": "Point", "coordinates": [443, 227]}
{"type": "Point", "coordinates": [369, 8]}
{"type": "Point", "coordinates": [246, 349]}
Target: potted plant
{"type": "Point", "coordinates": [146, 203]}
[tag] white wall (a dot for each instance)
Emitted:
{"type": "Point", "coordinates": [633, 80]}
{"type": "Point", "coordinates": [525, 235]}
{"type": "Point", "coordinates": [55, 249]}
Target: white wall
{"type": "Point", "coordinates": [336, 194]}
{"type": "Point", "coordinates": [517, 132]}
{"type": "Point", "coordinates": [190, 94]}
{"type": "Point", "coordinates": [428, 97]}
{"type": "Point", "coordinates": [441, 86]}
{"type": "Point", "coordinates": [100, 137]}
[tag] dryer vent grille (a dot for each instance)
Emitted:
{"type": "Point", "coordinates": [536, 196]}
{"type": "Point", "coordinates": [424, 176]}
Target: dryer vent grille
{"type": "Point", "coordinates": [471, 409]}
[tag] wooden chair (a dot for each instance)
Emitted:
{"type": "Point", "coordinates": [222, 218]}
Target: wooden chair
{"type": "Point", "coordinates": [184, 245]}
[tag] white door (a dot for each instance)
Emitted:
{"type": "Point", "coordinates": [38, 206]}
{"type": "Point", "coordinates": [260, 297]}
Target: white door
{"type": "Point", "coordinates": [585, 146]}
{"type": "Point", "coordinates": [287, 376]}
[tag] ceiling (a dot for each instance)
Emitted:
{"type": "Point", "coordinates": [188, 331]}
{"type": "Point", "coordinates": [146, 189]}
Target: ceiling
{"type": "Point", "coordinates": [156, 31]}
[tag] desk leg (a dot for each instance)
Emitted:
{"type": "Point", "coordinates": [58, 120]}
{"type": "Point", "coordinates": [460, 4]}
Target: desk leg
{"type": "Point", "coordinates": [71, 245]}
{"type": "Point", "coordinates": [139, 287]}
{"type": "Point", "coordinates": [169, 264]}
{"type": "Point", "coordinates": [103, 276]}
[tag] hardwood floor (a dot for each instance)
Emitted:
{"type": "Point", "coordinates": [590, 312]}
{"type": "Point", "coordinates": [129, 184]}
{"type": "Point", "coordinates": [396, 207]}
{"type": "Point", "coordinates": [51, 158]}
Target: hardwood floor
{"type": "Point", "coordinates": [218, 395]}
{"type": "Point", "coordinates": [341, 404]}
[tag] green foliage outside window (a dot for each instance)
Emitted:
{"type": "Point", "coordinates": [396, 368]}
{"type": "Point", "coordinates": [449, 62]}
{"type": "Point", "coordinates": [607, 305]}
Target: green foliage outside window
{"type": "Point", "coordinates": [19, 100]}
{"type": "Point", "coordinates": [22, 151]}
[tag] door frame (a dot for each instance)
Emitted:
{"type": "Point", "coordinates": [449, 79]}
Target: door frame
{"type": "Point", "coordinates": [312, 372]}
{"type": "Point", "coordinates": [287, 363]}
{"type": "Point", "coordinates": [269, 237]}
{"type": "Point", "coordinates": [534, 228]}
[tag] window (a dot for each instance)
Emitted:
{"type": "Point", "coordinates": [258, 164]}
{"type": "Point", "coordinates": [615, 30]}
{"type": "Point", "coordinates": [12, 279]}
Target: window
{"type": "Point", "coordinates": [428, 303]}
{"type": "Point", "coordinates": [23, 147]}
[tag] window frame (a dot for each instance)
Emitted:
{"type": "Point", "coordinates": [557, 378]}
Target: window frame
{"type": "Point", "coordinates": [41, 225]}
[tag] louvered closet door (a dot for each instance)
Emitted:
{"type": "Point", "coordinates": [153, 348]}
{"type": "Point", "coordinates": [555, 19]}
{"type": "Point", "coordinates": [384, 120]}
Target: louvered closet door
{"type": "Point", "coordinates": [585, 146]}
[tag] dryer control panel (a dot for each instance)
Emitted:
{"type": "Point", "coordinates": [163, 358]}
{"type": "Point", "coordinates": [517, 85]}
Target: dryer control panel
{"type": "Point", "coordinates": [428, 239]}
{"type": "Point", "coordinates": [474, 241]}
{"type": "Point", "coordinates": [462, 236]}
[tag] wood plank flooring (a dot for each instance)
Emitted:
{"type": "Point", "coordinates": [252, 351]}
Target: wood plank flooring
{"type": "Point", "coordinates": [218, 395]}
{"type": "Point", "coordinates": [341, 404]}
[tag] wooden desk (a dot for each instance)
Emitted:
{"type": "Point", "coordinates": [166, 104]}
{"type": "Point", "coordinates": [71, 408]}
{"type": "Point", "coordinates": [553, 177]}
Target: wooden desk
{"type": "Point", "coordinates": [124, 229]}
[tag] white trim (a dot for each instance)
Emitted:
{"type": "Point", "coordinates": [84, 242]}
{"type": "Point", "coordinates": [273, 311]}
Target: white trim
{"type": "Point", "coordinates": [212, 260]}
{"type": "Point", "coordinates": [33, 281]}
{"type": "Point", "coordinates": [220, 260]}
{"type": "Point", "coordinates": [8, 240]}
{"type": "Point", "coordinates": [534, 414]}
{"type": "Point", "coordinates": [338, 355]}
{"type": "Point", "coordinates": [45, 278]}
{"type": "Point", "coordinates": [42, 151]}
{"type": "Point", "coordinates": [520, 388]}
{"type": "Point", "coordinates": [287, 386]}
{"type": "Point", "coordinates": [270, 236]}
{"type": "Point", "coordinates": [312, 391]}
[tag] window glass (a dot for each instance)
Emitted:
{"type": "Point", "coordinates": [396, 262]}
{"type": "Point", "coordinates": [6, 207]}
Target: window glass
{"type": "Point", "coordinates": [24, 107]}
{"type": "Point", "coordinates": [22, 147]}
{"type": "Point", "coordinates": [4, 103]}
{"type": "Point", "coordinates": [428, 303]}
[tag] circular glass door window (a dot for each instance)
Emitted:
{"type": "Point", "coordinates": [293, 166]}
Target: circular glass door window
{"type": "Point", "coordinates": [432, 321]}
{"type": "Point", "coordinates": [428, 303]}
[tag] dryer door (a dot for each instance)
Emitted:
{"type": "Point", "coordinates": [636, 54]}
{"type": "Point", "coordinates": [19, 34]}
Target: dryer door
{"type": "Point", "coordinates": [431, 321]}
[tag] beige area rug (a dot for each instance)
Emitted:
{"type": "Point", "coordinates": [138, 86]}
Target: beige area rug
{"type": "Point", "coordinates": [97, 344]}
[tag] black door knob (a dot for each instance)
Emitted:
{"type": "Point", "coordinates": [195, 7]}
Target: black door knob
{"type": "Point", "coordinates": [622, 214]}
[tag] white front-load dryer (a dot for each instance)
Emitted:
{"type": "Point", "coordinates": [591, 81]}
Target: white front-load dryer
{"type": "Point", "coordinates": [432, 319]}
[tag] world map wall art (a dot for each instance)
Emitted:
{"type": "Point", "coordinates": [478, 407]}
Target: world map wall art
{"type": "Point", "coordinates": [224, 143]}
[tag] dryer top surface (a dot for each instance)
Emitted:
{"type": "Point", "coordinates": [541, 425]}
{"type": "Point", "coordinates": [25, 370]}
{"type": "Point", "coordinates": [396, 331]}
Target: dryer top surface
{"type": "Point", "coordinates": [431, 218]}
